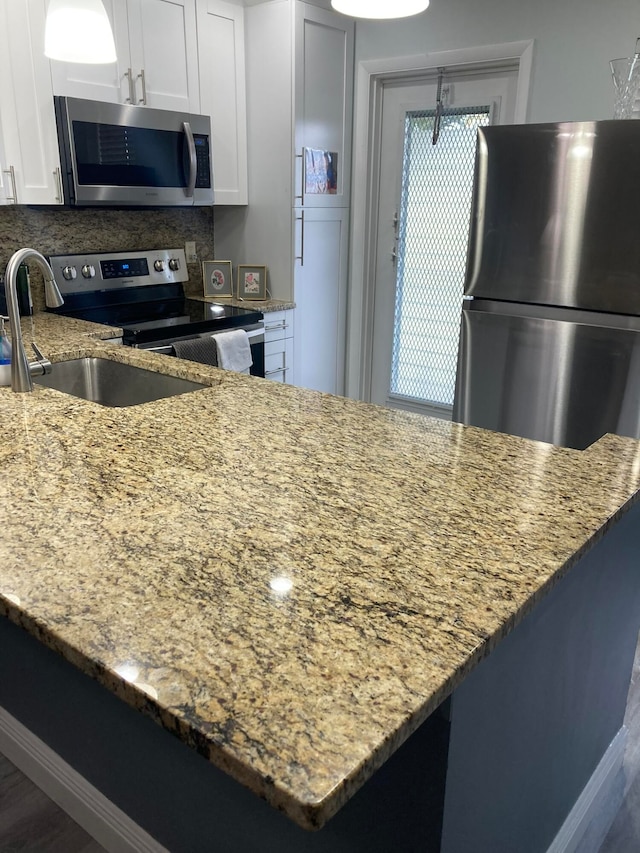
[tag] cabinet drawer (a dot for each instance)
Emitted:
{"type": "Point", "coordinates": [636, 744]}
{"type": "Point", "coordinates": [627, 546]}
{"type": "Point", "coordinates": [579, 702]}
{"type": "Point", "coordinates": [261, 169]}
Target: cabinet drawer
{"type": "Point", "coordinates": [278, 325]}
{"type": "Point", "coordinates": [278, 360]}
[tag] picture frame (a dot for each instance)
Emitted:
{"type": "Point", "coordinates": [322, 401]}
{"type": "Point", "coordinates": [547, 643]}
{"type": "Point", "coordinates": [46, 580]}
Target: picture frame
{"type": "Point", "coordinates": [217, 277]}
{"type": "Point", "coordinates": [320, 172]}
{"type": "Point", "coordinates": [252, 282]}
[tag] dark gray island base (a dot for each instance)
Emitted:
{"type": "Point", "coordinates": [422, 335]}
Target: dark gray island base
{"type": "Point", "coordinates": [497, 768]}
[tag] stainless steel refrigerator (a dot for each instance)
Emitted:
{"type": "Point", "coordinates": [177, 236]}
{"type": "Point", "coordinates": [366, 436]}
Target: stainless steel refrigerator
{"type": "Point", "coordinates": [550, 329]}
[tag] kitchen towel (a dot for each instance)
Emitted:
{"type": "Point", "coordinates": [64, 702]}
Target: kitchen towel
{"type": "Point", "coordinates": [234, 350]}
{"type": "Point", "coordinates": [203, 350]}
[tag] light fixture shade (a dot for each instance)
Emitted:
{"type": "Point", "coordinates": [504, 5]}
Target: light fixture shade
{"type": "Point", "coordinates": [78, 31]}
{"type": "Point", "coordinates": [380, 9]}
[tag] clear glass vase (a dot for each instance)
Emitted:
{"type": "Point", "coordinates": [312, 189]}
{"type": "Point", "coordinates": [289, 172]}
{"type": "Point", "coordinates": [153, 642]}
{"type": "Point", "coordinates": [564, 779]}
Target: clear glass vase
{"type": "Point", "coordinates": [626, 81]}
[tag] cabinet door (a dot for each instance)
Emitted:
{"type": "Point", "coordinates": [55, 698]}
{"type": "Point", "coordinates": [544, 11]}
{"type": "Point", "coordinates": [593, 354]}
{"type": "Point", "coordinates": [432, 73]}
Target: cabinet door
{"type": "Point", "coordinates": [26, 105]}
{"type": "Point", "coordinates": [278, 324]}
{"type": "Point", "coordinates": [7, 190]}
{"type": "Point", "coordinates": [109, 83]}
{"type": "Point", "coordinates": [157, 58]}
{"type": "Point", "coordinates": [323, 84]}
{"type": "Point", "coordinates": [164, 53]}
{"type": "Point", "coordinates": [320, 282]}
{"type": "Point", "coordinates": [223, 95]}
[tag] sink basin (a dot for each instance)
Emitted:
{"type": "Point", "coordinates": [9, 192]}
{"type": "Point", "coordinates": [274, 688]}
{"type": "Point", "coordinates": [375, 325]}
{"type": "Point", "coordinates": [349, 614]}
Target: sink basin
{"type": "Point", "coordinates": [112, 383]}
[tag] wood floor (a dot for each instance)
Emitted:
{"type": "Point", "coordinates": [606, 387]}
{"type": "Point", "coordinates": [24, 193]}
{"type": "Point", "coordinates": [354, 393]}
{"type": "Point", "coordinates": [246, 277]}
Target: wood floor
{"type": "Point", "coordinates": [31, 823]}
{"type": "Point", "coordinates": [624, 835]}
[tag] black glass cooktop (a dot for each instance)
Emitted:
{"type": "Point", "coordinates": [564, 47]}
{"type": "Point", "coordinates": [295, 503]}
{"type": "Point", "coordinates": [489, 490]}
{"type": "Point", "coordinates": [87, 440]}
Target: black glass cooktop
{"type": "Point", "coordinates": [169, 314]}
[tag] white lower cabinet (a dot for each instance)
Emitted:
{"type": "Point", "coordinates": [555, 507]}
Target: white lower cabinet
{"type": "Point", "coordinates": [320, 281]}
{"type": "Point", "coordinates": [278, 346]}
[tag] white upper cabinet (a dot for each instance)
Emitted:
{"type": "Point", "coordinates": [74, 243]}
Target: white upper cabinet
{"type": "Point", "coordinates": [223, 95]}
{"type": "Point", "coordinates": [31, 163]}
{"type": "Point", "coordinates": [157, 66]}
{"type": "Point", "coordinates": [323, 93]}
{"type": "Point", "coordinates": [299, 62]}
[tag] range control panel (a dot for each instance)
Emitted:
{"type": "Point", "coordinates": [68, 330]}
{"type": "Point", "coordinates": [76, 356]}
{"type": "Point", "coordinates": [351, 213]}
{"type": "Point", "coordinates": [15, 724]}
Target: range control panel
{"type": "Point", "coordinates": [113, 270]}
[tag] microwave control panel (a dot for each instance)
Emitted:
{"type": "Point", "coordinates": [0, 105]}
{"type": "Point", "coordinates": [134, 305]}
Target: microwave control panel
{"type": "Point", "coordinates": [203, 160]}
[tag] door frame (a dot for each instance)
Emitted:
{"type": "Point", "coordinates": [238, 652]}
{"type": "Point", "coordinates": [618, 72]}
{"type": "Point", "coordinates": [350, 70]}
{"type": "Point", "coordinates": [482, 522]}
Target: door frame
{"type": "Point", "coordinates": [371, 76]}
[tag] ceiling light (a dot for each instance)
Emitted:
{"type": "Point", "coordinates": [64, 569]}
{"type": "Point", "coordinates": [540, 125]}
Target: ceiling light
{"type": "Point", "coordinates": [78, 31]}
{"type": "Point", "coordinates": [379, 8]}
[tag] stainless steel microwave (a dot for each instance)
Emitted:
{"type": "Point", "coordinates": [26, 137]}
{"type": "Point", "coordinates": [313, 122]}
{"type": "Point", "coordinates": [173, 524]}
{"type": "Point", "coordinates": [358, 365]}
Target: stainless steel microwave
{"type": "Point", "coordinates": [120, 155]}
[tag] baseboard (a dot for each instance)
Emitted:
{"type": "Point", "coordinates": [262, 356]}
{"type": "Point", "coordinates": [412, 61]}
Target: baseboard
{"type": "Point", "coordinates": [594, 795]}
{"type": "Point", "coordinates": [97, 815]}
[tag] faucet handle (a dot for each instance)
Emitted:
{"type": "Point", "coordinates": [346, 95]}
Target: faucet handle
{"type": "Point", "coordinates": [42, 365]}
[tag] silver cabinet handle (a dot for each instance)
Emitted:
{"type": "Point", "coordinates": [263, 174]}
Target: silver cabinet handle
{"type": "Point", "coordinates": [300, 257]}
{"type": "Point", "coordinates": [132, 89]}
{"type": "Point", "coordinates": [301, 195]}
{"type": "Point", "coordinates": [57, 176]}
{"type": "Point", "coordinates": [277, 370]}
{"type": "Point", "coordinates": [12, 175]}
{"type": "Point", "coordinates": [193, 160]}
{"type": "Point", "coordinates": [276, 327]}
{"type": "Point", "coordinates": [141, 77]}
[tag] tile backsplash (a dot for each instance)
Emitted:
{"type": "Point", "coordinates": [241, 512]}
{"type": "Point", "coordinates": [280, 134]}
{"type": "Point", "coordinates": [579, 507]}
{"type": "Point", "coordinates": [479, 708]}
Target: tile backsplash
{"type": "Point", "coordinates": [56, 231]}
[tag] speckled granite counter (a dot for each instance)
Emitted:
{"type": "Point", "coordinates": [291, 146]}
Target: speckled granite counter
{"type": "Point", "coordinates": [267, 307]}
{"type": "Point", "coordinates": [290, 582]}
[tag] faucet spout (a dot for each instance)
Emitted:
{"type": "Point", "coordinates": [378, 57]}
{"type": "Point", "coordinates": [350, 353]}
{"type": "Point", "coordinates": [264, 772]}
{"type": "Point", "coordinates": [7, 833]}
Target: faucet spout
{"type": "Point", "coordinates": [20, 371]}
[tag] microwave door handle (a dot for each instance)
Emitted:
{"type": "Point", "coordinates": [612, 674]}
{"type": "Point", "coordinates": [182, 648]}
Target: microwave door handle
{"type": "Point", "coordinates": [193, 162]}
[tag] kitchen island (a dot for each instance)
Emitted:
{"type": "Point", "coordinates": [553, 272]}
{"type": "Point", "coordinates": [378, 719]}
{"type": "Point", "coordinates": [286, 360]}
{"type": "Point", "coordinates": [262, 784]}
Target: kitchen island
{"type": "Point", "coordinates": [292, 585]}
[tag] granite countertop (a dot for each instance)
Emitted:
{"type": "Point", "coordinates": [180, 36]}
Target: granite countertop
{"type": "Point", "coordinates": [267, 306]}
{"type": "Point", "coordinates": [290, 582]}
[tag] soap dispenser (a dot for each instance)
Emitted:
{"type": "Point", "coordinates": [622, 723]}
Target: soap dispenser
{"type": "Point", "coordinates": [5, 354]}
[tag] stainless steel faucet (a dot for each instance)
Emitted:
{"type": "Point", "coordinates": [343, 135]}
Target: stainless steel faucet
{"type": "Point", "coordinates": [21, 370]}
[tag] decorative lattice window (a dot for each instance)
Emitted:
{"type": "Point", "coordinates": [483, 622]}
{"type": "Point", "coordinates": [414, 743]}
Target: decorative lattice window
{"type": "Point", "coordinates": [433, 227]}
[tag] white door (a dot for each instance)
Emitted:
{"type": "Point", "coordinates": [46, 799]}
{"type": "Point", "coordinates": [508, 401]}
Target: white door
{"type": "Point", "coordinates": [423, 219]}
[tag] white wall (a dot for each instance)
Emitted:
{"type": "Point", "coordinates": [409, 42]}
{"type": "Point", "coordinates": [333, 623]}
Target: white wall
{"type": "Point", "coordinates": [574, 41]}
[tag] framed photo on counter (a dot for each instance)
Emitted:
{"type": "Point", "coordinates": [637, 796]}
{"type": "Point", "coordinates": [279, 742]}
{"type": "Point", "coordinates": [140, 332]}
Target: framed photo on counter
{"type": "Point", "coordinates": [252, 282]}
{"type": "Point", "coordinates": [218, 278]}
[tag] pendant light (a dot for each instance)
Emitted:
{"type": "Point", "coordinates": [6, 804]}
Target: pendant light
{"type": "Point", "coordinates": [380, 9]}
{"type": "Point", "coordinates": [78, 31]}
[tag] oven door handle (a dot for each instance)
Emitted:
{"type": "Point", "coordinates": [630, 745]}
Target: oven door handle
{"type": "Point", "coordinates": [167, 349]}
{"type": "Point", "coordinates": [256, 336]}
{"type": "Point", "coordinates": [193, 160]}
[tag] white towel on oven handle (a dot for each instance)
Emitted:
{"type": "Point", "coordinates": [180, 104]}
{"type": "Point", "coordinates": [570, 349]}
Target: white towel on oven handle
{"type": "Point", "coordinates": [234, 350]}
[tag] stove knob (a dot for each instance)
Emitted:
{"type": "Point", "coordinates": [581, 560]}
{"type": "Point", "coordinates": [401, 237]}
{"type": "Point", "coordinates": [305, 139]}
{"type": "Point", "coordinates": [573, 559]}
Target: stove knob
{"type": "Point", "coordinates": [69, 273]}
{"type": "Point", "coordinates": [88, 271]}
{"type": "Point", "coordinates": [158, 266]}
{"type": "Point", "coordinates": [174, 264]}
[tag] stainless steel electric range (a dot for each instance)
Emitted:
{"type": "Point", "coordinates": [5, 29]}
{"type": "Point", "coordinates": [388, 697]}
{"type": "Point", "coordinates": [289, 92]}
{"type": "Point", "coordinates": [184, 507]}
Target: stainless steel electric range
{"type": "Point", "coordinates": [142, 293]}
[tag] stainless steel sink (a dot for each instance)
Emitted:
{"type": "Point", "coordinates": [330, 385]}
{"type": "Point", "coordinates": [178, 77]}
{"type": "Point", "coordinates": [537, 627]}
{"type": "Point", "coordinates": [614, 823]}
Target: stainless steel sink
{"type": "Point", "coordinates": [112, 383]}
